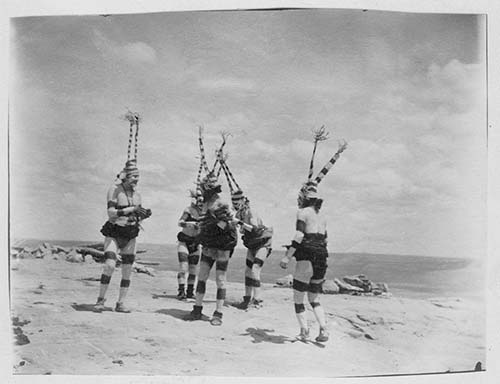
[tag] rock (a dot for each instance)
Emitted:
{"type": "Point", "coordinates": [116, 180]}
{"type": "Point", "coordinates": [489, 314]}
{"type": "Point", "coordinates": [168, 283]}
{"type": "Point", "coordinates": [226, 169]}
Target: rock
{"type": "Point", "coordinates": [21, 338]}
{"type": "Point", "coordinates": [19, 323]}
{"type": "Point", "coordinates": [47, 253]}
{"type": "Point", "coordinates": [285, 281]}
{"type": "Point", "coordinates": [379, 288]}
{"type": "Point", "coordinates": [74, 257]}
{"type": "Point", "coordinates": [345, 287]}
{"type": "Point", "coordinates": [370, 337]}
{"type": "Point", "coordinates": [359, 281]}
{"type": "Point", "coordinates": [96, 246]}
{"type": "Point", "coordinates": [330, 287]}
{"type": "Point", "coordinates": [97, 255]}
{"type": "Point", "coordinates": [140, 269]}
{"type": "Point", "coordinates": [59, 249]}
{"type": "Point", "coordinates": [28, 250]}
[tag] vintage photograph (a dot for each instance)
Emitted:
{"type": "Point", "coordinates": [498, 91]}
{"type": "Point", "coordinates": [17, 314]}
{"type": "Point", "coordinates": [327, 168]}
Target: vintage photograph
{"type": "Point", "coordinates": [248, 193]}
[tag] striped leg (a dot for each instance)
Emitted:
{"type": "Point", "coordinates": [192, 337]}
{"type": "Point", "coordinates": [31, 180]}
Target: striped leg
{"type": "Point", "coordinates": [303, 272]}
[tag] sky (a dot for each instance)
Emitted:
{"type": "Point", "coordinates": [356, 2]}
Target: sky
{"type": "Point", "coordinates": [406, 91]}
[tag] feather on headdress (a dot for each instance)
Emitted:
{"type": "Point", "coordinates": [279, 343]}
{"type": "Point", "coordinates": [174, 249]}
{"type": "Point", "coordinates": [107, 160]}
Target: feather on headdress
{"type": "Point", "coordinates": [310, 188]}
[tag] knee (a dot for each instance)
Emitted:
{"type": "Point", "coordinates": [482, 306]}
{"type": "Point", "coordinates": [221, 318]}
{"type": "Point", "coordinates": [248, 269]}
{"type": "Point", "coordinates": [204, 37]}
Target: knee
{"type": "Point", "coordinates": [312, 298]}
{"type": "Point", "coordinates": [109, 267]}
{"type": "Point", "coordinates": [183, 257]}
{"type": "Point", "coordinates": [251, 282]}
{"type": "Point", "coordinates": [300, 286]}
{"type": "Point", "coordinates": [222, 265]}
{"type": "Point", "coordinates": [255, 272]}
{"type": "Point", "coordinates": [201, 287]}
{"type": "Point", "coordinates": [128, 259]}
{"type": "Point", "coordinates": [221, 293]}
{"type": "Point", "coordinates": [315, 287]}
{"type": "Point", "coordinates": [181, 274]}
{"type": "Point", "coordinates": [258, 262]}
{"type": "Point", "coordinates": [204, 272]}
{"type": "Point", "coordinates": [299, 308]}
{"type": "Point", "coordinates": [220, 280]}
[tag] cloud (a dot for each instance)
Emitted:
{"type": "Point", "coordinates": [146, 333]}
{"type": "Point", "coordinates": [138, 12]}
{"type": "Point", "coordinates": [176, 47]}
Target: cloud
{"type": "Point", "coordinates": [157, 169]}
{"type": "Point", "coordinates": [134, 53]}
{"type": "Point", "coordinates": [227, 83]}
{"type": "Point", "coordinates": [140, 52]}
{"type": "Point", "coordinates": [456, 87]}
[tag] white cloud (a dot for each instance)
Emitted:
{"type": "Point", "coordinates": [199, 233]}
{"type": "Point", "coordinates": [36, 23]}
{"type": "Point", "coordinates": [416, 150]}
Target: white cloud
{"type": "Point", "coordinates": [457, 87]}
{"type": "Point", "coordinates": [157, 169]}
{"type": "Point", "coordinates": [135, 53]}
{"type": "Point", "coordinates": [227, 83]}
{"type": "Point", "coordinates": [139, 52]}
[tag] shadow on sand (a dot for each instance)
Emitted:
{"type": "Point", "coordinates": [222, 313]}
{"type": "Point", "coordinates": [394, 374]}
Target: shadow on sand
{"type": "Point", "coordinates": [260, 335]}
{"type": "Point", "coordinates": [179, 314]}
{"type": "Point", "coordinates": [89, 308]}
{"type": "Point", "coordinates": [165, 296]}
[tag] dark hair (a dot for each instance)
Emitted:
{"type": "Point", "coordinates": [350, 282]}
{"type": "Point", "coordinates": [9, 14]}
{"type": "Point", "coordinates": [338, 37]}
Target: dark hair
{"type": "Point", "coordinates": [313, 202]}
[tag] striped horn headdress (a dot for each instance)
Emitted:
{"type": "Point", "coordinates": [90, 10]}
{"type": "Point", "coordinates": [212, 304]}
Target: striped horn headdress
{"type": "Point", "coordinates": [310, 187]}
{"type": "Point", "coordinates": [209, 183]}
{"type": "Point", "coordinates": [238, 199]}
{"type": "Point", "coordinates": [131, 163]}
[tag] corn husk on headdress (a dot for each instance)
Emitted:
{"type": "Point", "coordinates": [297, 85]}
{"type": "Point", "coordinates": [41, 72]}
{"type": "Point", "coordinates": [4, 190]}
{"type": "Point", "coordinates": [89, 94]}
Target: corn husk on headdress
{"type": "Point", "coordinates": [209, 182]}
{"type": "Point", "coordinates": [237, 194]}
{"type": "Point", "coordinates": [310, 187]}
{"type": "Point", "coordinates": [131, 164]}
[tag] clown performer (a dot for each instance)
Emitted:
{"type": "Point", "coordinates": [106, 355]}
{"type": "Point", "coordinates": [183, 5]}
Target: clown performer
{"type": "Point", "coordinates": [188, 245]}
{"type": "Point", "coordinates": [309, 247]}
{"type": "Point", "coordinates": [218, 237]}
{"type": "Point", "coordinates": [257, 238]}
{"type": "Point", "coordinates": [125, 214]}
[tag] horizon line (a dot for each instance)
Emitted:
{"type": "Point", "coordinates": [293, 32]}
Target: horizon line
{"type": "Point", "coordinates": [83, 242]}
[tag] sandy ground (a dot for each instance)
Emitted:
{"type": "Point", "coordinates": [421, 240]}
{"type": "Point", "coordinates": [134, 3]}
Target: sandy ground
{"type": "Point", "coordinates": [369, 335]}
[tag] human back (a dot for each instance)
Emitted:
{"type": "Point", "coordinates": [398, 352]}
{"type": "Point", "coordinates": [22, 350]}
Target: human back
{"type": "Point", "coordinates": [313, 220]}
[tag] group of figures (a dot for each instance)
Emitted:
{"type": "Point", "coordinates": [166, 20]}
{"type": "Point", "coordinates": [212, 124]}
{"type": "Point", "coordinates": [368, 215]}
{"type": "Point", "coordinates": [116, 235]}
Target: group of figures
{"type": "Point", "coordinates": [209, 234]}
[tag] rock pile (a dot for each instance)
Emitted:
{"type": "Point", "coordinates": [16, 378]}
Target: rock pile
{"type": "Point", "coordinates": [46, 250]}
{"type": "Point", "coordinates": [353, 285]}
{"type": "Point", "coordinates": [20, 337]}
{"type": "Point", "coordinates": [83, 254]}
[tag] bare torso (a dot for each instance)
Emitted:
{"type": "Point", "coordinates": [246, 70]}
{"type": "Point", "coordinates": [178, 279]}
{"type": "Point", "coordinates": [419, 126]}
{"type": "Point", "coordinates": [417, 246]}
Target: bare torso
{"type": "Point", "coordinates": [314, 221]}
